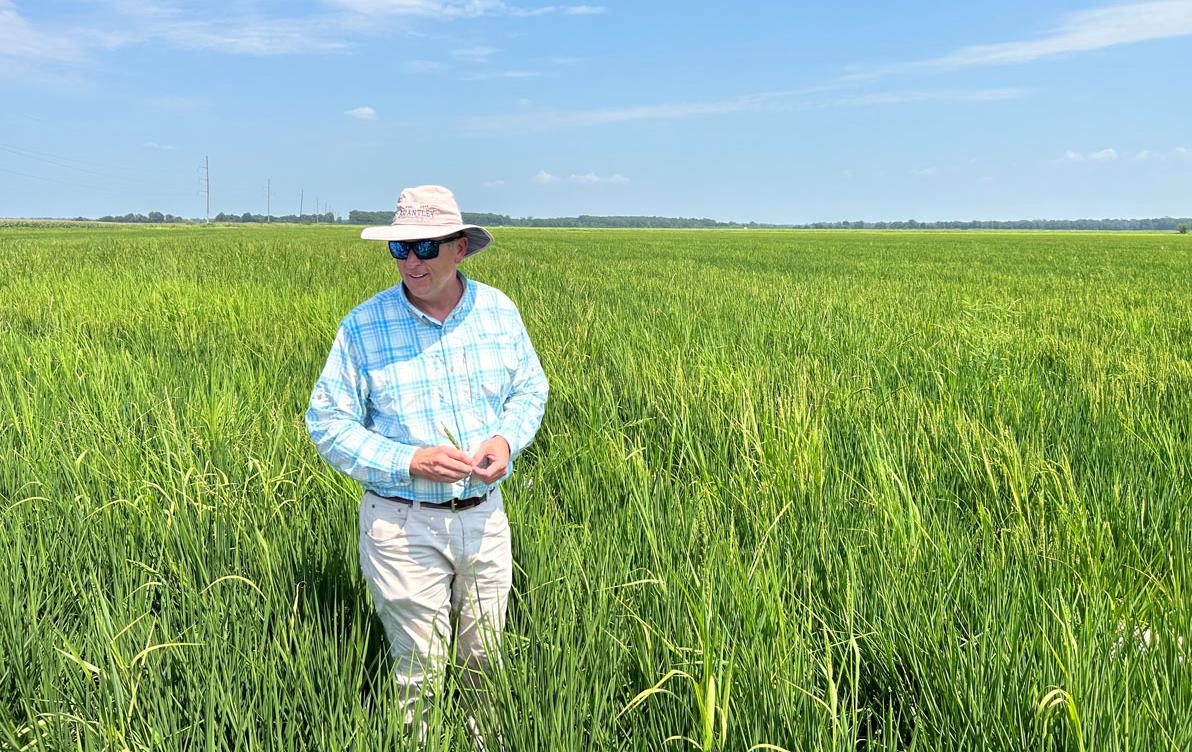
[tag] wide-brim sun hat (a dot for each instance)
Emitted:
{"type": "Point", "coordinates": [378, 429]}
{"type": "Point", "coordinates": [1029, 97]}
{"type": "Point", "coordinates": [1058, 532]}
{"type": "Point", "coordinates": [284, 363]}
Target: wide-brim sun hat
{"type": "Point", "coordinates": [428, 211]}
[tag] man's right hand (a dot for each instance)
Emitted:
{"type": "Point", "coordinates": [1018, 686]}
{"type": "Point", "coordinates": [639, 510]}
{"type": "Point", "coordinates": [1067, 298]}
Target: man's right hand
{"type": "Point", "coordinates": [443, 464]}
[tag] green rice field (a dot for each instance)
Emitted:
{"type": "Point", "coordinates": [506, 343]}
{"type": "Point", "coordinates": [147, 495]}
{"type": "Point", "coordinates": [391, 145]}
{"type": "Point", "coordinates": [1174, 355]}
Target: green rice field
{"type": "Point", "coordinates": [793, 490]}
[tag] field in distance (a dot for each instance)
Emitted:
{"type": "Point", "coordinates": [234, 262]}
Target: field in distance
{"type": "Point", "coordinates": [820, 490]}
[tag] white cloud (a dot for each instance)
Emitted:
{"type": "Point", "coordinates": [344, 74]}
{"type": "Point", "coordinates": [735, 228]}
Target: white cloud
{"type": "Point", "coordinates": [457, 8]}
{"type": "Point", "coordinates": [937, 95]}
{"type": "Point", "coordinates": [539, 11]}
{"type": "Point", "coordinates": [1083, 31]}
{"type": "Point", "coordinates": [1102, 155]}
{"type": "Point", "coordinates": [545, 120]}
{"type": "Point", "coordinates": [541, 120]}
{"type": "Point", "coordinates": [253, 33]}
{"type": "Point", "coordinates": [569, 10]}
{"type": "Point", "coordinates": [1088, 30]}
{"type": "Point", "coordinates": [1150, 155]}
{"type": "Point", "coordinates": [142, 21]}
{"type": "Point", "coordinates": [159, 147]}
{"type": "Point", "coordinates": [925, 172]}
{"type": "Point", "coordinates": [362, 113]}
{"type": "Point", "coordinates": [249, 35]}
{"type": "Point", "coordinates": [138, 22]}
{"type": "Point", "coordinates": [490, 75]}
{"type": "Point", "coordinates": [19, 39]}
{"type": "Point", "coordinates": [475, 54]}
{"type": "Point", "coordinates": [494, 183]}
{"type": "Point", "coordinates": [588, 178]}
{"type": "Point", "coordinates": [421, 66]}
{"type": "Point", "coordinates": [435, 8]}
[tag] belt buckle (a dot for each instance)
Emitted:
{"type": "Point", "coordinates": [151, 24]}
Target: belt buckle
{"type": "Point", "coordinates": [452, 502]}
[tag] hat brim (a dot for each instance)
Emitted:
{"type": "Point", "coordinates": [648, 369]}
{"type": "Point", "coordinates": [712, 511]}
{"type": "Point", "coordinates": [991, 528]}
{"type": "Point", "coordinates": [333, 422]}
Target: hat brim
{"type": "Point", "coordinates": [478, 237]}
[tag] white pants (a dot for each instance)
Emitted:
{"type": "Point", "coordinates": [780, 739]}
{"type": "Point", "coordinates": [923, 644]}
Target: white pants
{"type": "Point", "coordinates": [427, 568]}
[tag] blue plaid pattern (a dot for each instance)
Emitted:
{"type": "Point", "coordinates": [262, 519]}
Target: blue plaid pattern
{"type": "Point", "coordinates": [397, 380]}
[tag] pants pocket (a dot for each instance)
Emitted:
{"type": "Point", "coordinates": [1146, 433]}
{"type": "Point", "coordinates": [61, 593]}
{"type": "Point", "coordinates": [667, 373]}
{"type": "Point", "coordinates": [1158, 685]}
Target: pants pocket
{"type": "Point", "coordinates": [383, 520]}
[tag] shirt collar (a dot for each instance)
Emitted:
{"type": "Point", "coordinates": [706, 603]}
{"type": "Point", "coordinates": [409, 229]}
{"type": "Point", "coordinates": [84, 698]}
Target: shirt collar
{"type": "Point", "coordinates": [461, 308]}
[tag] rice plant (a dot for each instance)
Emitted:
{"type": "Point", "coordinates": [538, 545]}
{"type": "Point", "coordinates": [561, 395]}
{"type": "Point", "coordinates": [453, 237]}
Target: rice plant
{"type": "Point", "coordinates": [793, 490]}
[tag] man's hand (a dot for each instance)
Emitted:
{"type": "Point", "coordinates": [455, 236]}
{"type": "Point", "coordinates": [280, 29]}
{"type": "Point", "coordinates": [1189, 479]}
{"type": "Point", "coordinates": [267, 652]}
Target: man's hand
{"type": "Point", "coordinates": [441, 463]}
{"type": "Point", "coordinates": [491, 459]}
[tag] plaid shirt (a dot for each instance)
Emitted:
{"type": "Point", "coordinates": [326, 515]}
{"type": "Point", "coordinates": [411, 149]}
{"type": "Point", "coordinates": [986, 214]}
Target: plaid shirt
{"type": "Point", "coordinates": [397, 380]}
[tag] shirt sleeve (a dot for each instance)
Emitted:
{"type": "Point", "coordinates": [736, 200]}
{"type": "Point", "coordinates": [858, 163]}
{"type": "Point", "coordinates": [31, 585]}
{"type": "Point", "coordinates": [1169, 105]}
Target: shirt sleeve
{"type": "Point", "coordinates": [523, 408]}
{"type": "Point", "coordinates": [335, 421]}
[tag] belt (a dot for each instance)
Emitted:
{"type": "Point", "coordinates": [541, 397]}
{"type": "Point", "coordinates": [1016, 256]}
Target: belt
{"type": "Point", "coordinates": [454, 505]}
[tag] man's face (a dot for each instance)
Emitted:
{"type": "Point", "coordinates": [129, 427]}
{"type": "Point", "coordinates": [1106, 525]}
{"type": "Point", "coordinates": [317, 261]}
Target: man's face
{"type": "Point", "coordinates": [433, 279]}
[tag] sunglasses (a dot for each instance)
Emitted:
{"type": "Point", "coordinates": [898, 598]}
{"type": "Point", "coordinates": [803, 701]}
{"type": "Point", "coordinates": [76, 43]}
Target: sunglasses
{"type": "Point", "coordinates": [423, 249]}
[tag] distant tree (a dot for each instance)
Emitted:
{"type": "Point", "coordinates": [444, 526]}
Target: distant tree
{"type": "Point", "coordinates": [358, 217]}
{"type": "Point", "coordinates": [1183, 228]}
{"type": "Point", "coordinates": [483, 218]}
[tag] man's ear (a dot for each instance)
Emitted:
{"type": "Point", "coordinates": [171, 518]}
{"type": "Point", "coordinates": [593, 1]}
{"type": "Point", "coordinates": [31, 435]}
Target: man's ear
{"type": "Point", "coordinates": [461, 250]}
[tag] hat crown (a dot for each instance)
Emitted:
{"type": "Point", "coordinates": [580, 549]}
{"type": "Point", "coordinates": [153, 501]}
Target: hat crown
{"type": "Point", "coordinates": [428, 211]}
{"type": "Point", "coordinates": [427, 205]}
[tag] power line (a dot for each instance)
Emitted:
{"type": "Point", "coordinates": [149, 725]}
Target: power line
{"type": "Point", "coordinates": [60, 182]}
{"type": "Point", "coordinates": [114, 190]}
{"type": "Point", "coordinates": [60, 161]}
{"type": "Point", "coordinates": [63, 162]}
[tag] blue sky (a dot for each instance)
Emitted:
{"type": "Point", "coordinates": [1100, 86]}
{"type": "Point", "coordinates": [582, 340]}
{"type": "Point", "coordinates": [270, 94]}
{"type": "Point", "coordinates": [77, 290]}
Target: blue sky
{"type": "Point", "coordinates": [765, 111]}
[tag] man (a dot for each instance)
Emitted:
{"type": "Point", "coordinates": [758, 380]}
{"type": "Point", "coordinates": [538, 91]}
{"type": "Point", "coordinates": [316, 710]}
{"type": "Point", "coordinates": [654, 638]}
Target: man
{"type": "Point", "coordinates": [431, 390]}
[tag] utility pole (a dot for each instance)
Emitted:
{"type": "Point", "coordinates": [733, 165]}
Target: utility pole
{"type": "Point", "coordinates": [301, 196]}
{"type": "Point", "coordinates": [207, 189]}
{"type": "Point", "coordinates": [268, 199]}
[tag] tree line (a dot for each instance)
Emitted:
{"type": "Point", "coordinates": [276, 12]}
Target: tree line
{"type": "Point", "coordinates": [159, 218]}
{"type": "Point", "coordinates": [324, 218]}
{"type": "Point", "coordinates": [1155, 224]}
{"type": "Point", "coordinates": [153, 217]}
{"type": "Point", "coordinates": [1160, 224]}
{"type": "Point", "coordinates": [487, 219]}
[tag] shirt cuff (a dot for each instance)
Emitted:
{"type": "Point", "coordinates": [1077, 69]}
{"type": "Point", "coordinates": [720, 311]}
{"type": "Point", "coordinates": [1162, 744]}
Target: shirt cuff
{"type": "Point", "coordinates": [403, 454]}
{"type": "Point", "coordinates": [507, 430]}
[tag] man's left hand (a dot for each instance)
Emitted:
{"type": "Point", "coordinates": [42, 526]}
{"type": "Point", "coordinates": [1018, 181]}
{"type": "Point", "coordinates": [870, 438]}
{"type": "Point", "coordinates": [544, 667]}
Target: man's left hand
{"type": "Point", "coordinates": [491, 460]}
